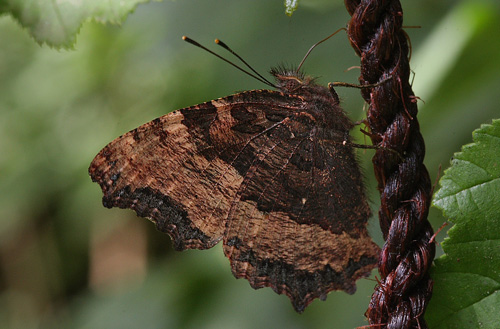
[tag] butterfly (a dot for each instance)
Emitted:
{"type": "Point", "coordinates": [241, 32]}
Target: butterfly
{"type": "Point", "coordinates": [271, 174]}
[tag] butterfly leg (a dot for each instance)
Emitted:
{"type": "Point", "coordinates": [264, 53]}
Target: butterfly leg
{"type": "Point", "coordinates": [353, 85]}
{"type": "Point", "coordinates": [333, 93]}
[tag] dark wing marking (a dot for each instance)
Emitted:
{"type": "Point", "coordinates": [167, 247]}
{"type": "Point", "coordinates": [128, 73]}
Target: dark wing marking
{"type": "Point", "coordinates": [284, 228]}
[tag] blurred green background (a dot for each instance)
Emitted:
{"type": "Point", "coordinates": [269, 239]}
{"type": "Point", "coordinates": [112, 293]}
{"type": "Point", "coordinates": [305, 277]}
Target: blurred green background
{"type": "Point", "coordinates": [68, 262]}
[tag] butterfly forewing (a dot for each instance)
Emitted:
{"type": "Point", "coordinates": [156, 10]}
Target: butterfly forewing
{"type": "Point", "coordinates": [182, 170]}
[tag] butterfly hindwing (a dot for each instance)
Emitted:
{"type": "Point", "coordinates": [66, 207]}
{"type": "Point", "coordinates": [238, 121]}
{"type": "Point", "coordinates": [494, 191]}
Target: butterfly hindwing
{"type": "Point", "coordinates": [287, 227]}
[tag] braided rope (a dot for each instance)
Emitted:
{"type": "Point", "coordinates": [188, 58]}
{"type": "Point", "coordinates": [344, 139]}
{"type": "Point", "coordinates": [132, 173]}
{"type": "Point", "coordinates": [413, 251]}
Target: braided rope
{"type": "Point", "coordinates": [401, 296]}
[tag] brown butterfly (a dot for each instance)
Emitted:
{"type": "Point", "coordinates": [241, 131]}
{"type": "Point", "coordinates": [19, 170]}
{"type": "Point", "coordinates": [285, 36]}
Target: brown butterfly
{"type": "Point", "coordinates": [272, 174]}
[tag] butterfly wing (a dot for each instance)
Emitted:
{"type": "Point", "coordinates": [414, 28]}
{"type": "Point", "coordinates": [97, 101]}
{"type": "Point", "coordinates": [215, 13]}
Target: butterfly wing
{"type": "Point", "coordinates": [298, 221]}
{"type": "Point", "coordinates": [255, 169]}
{"type": "Point", "coordinates": [182, 170]}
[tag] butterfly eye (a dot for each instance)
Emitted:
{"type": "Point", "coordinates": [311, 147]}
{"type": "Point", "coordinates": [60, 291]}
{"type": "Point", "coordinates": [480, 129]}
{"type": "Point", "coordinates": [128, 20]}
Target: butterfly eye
{"type": "Point", "coordinates": [291, 84]}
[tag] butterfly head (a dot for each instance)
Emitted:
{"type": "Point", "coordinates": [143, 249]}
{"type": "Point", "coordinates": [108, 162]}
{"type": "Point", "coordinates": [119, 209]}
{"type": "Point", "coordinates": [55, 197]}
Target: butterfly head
{"type": "Point", "coordinates": [291, 81]}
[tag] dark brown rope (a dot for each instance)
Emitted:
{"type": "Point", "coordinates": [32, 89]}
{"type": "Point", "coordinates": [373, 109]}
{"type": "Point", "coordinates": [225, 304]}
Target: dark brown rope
{"type": "Point", "coordinates": [401, 296]}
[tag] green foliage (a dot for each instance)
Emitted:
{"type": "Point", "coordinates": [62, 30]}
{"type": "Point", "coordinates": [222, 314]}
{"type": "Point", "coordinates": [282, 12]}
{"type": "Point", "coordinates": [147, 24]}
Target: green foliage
{"type": "Point", "coordinates": [467, 279]}
{"type": "Point", "coordinates": [291, 6]}
{"type": "Point", "coordinates": [56, 23]}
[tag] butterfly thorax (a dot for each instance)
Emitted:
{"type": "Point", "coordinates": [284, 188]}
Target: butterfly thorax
{"type": "Point", "coordinates": [322, 103]}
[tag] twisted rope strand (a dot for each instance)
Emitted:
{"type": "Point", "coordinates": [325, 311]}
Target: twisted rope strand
{"type": "Point", "coordinates": [401, 296]}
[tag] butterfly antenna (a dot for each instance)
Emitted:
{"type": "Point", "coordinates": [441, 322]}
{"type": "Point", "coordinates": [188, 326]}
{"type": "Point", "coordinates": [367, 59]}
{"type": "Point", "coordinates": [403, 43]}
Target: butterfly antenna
{"type": "Point", "coordinates": [257, 77]}
{"type": "Point", "coordinates": [317, 43]}
{"type": "Point", "coordinates": [223, 45]}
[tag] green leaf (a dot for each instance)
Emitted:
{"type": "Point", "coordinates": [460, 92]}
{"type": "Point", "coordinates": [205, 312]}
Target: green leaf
{"type": "Point", "coordinates": [291, 6]}
{"type": "Point", "coordinates": [56, 23]}
{"type": "Point", "coordinates": [467, 278]}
